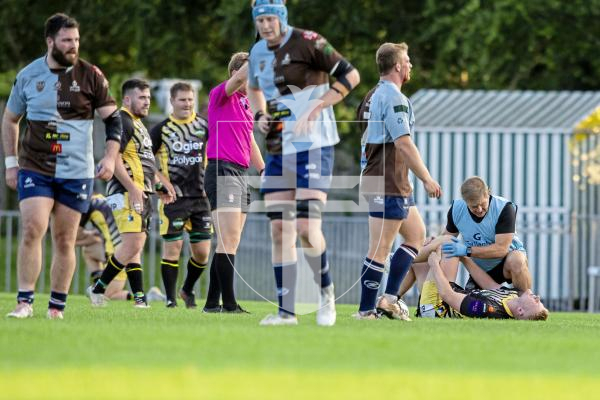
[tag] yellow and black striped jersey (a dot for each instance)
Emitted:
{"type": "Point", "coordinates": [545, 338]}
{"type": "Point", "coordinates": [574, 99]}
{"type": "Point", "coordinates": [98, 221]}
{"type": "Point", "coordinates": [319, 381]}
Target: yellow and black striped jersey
{"type": "Point", "coordinates": [488, 303]}
{"type": "Point", "coordinates": [136, 151]}
{"type": "Point", "coordinates": [180, 148]}
{"type": "Point", "coordinates": [101, 217]}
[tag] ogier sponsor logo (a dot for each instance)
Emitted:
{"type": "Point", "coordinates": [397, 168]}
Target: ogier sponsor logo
{"type": "Point", "coordinates": [186, 147]}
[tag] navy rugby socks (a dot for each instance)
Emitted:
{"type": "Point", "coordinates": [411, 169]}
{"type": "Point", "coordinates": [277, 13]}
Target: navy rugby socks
{"type": "Point", "coordinates": [399, 266]}
{"type": "Point", "coordinates": [370, 279]}
{"type": "Point", "coordinates": [57, 301]}
{"type": "Point", "coordinates": [320, 268]}
{"type": "Point", "coordinates": [25, 296]}
{"type": "Point", "coordinates": [285, 279]}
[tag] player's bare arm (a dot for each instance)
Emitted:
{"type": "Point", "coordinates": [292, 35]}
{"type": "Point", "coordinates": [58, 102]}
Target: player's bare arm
{"type": "Point", "coordinates": [257, 101]}
{"type": "Point", "coordinates": [336, 93]}
{"type": "Point", "coordinates": [410, 154]}
{"type": "Point", "coordinates": [498, 249]}
{"type": "Point", "coordinates": [256, 158]}
{"type": "Point", "coordinates": [451, 297]}
{"type": "Point", "coordinates": [237, 80]}
{"type": "Point", "coordinates": [10, 140]}
{"type": "Point", "coordinates": [431, 246]}
{"type": "Point", "coordinates": [136, 195]}
{"type": "Point", "coordinates": [165, 190]}
{"type": "Point", "coordinates": [114, 128]}
{"type": "Point", "coordinates": [87, 237]}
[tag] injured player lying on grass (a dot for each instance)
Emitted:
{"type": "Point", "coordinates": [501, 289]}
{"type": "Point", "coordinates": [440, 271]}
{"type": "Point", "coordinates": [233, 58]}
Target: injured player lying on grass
{"type": "Point", "coordinates": [441, 297]}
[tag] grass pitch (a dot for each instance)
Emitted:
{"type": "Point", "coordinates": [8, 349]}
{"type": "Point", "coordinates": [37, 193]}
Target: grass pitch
{"type": "Point", "coordinates": [120, 352]}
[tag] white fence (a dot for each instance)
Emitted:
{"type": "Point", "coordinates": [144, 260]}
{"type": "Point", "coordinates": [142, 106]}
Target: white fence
{"type": "Point", "coordinates": [531, 167]}
{"type": "Point", "coordinates": [347, 238]}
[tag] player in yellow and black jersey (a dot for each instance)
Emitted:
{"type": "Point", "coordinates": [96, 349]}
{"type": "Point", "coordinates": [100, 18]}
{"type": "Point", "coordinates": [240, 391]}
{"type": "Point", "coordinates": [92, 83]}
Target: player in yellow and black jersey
{"type": "Point", "coordinates": [441, 298]}
{"type": "Point", "coordinates": [98, 244]}
{"type": "Point", "coordinates": [179, 144]}
{"type": "Point", "coordinates": [128, 193]}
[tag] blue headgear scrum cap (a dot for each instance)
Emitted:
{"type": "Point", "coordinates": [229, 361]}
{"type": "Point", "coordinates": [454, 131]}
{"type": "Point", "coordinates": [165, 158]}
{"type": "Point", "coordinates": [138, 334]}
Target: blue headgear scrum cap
{"type": "Point", "coordinates": [271, 7]}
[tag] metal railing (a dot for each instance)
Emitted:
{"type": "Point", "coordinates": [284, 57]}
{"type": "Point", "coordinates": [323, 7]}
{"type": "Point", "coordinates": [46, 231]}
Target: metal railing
{"type": "Point", "coordinates": [557, 262]}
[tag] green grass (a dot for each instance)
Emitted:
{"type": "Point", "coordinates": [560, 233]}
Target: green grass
{"type": "Point", "coordinates": [121, 352]}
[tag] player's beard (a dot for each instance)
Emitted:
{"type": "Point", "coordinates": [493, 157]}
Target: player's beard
{"type": "Point", "coordinates": [62, 59]}
{"type": "Point", "coordinates": [139, 112]}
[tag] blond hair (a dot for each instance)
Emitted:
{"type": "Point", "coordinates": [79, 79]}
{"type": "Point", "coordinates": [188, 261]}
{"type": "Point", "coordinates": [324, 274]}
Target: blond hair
{"type": "Point", "coordinates": [388, 55]}
{"type": "Point", "coordinates": [237, 61]}
{"type": "Point", "coordinates": [540, 316]}
{"type": "Point", "coordinates": [473, 189]}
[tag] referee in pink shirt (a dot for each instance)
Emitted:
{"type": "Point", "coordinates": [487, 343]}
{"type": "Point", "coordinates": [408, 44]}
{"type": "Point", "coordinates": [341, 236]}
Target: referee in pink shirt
{"type": "Point", "coordinates": [230, 151]}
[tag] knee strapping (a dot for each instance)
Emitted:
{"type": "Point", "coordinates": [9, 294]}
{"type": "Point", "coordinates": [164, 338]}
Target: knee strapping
{"type": "Point", "coordinates": [196, 237]}
{"type": "Point", "coordinates": [281, 211]}
{"type": "Point", "coordinates": [172, 237]}
{"type": "Point", "coordinates": [310, 208]}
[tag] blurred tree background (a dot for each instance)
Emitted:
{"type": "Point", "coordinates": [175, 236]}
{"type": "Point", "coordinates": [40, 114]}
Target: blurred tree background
{"type": "Point", "coordinates": [469, 44]}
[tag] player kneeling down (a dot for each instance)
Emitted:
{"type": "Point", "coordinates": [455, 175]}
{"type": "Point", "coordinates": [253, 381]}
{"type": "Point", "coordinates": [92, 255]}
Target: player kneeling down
{"type": "Point", "coordinates": [440, 298]}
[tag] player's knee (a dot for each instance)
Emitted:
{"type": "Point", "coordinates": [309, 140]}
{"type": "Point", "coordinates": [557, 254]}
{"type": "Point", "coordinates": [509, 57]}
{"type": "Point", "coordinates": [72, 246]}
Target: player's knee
{"type": "Point", "coordinates": [201, 248]}
{"type": "Point", "coordinates": [277, 230]}
{"type": "Point", "coordinates": [32, 230]}
{"type": "Point", "coordinates": [305, 229]}
{"type": "Point", "coordinates": [126, 252]}
{"type": "Point", "coordinates": [229, 244]}
{"type": "Point", "coordinates": [309, 212]}
{"type": "Point", "coordinates": [63, 241]}
{"type": "Point", "coordinates": [516, 262]}
{"type": "Point", "coordinates": [415, 238]}
{"type": "Point", "coordinates": [201, 256]}
{"type": "Point", "coordinates": [445, 238]}
{"type": "Point", "coordinates": [379, 252]}
{"type": "Point", "coordinates": [171, 247]}
{"type": "Point", "coordinates": [279, 214]}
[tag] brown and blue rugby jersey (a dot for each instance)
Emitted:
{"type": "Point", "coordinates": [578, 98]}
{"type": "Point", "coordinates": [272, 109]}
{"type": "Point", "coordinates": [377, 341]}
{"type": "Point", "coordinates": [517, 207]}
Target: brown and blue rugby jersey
{"type": "Point", "coordinates": [293, 76]}
{"type": "Point", "coordinates": [59, 107]}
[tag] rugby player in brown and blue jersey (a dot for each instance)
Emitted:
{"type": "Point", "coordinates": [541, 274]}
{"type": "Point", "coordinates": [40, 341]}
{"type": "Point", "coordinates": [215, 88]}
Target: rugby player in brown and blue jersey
{"type": "Point", "coordinates": [179, 143]}
{"type": "Point", "coordinates": [389, 154]}
{"type": "Point", "coordinates": [288, 81]}
{"type": "Point", "coordinates": [53, 175]}
{"type": "Point", "coordinates": [128, 194]}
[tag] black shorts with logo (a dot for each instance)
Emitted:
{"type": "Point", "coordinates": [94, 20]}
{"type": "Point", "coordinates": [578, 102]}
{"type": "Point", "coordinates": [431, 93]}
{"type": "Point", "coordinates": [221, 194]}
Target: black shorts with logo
{"type": "Point", "coordinates": [226, 185]}
{"type": "Point", "coordinates": [186, 213]}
